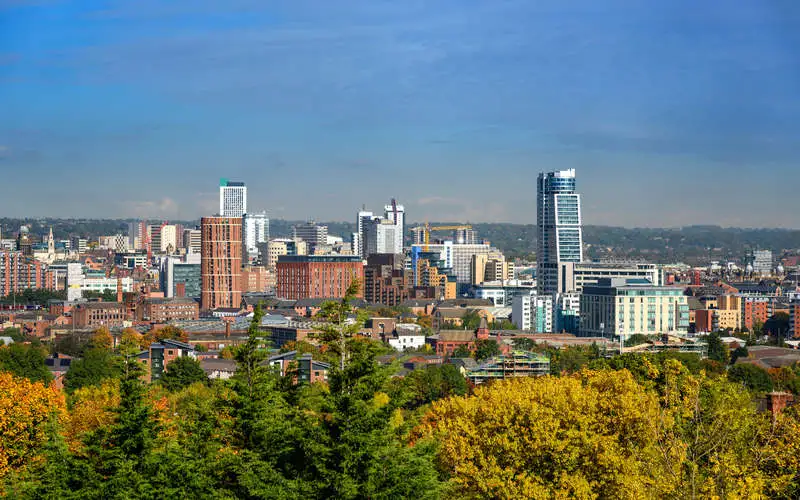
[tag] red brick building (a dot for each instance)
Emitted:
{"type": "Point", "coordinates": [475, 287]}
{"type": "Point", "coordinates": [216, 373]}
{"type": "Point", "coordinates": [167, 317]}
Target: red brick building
{"type": "Point", "coordinates": [754, 310]}
{"type": "Point", "coordinates": [164, 310]}
{"type": "Point", "coordinates": [96, 314]}
{"type": "Point", "coordinates": [317, 276]}
{"type": "Point", "coordinates": [254, 279]}
{"type": "Point", "coordinates": [384, 281]}
{"type": "Point", "coordinates": [220, 262]}
{"type": "Point", "coordinates": [794, 319]}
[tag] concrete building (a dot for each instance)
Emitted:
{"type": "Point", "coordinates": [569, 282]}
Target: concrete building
{"type": "Point", "coordinates": [533, 313]}
{"type": "Point", "coordinates": [317, 276]}
{"type": "Point", "coordinates": [559, 223]}
{"type": "Point", "coordinates": [574, 276]}
{"type": "Point", "coordinates": [283, 246]}
{"type": "Point", "coordinates": [456, 257]}
{"type": "Point", "coordinates": [221, 262]}
{"type": "Point", "coordinates": [621, 307]}
{"type": "Point", "coordinates": [137, 234]}
{"type": "Point", "coordinates": [232, 198]}
{"type": "Point", "coordinates": [180, 278]}
{"type": "Point", "coordinates": [760, 262]}
{"type": "Point", "coordinates": [502, 293]}
{"type": "Point", "coordinates": [163, 238]}
{"type": "Point", "coordinates": [381, 235]}
{"type": "Point", "coordinates": [256, 231]}
{"type": "Point", "coordinates": [192, 239]}
{"type": "Point", "coordinates": [311, 233]}
{"type": "Point", "coordinates": [490, 267]}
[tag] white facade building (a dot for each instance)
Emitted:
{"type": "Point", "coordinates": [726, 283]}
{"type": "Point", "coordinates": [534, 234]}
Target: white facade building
{"type": "Point", "coordinates": [406, 336]}
{"type": "Point", "coordinates": [232, 198]}
{"type": "Point", "coordinates": [533, 313]}
{"type": "Point", "coordinates": [256, 230]}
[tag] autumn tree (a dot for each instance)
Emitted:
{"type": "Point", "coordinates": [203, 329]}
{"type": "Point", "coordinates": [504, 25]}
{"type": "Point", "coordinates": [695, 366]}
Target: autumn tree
{"type": "Point", "coordinates": [25, 409]}
{"type": "Point", "coordinates": [589, 435]}
{"type": "Point", "coordinates": [101, 339]}
{"type": "Point", "coordinates": [751, 376]}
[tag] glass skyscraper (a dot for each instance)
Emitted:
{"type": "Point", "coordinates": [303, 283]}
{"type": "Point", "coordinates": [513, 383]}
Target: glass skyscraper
{"type": "Point", "coordinates": [560, 237]}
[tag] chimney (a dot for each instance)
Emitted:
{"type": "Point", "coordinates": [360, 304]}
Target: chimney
{"type": "Point", "coordinates": [777, 402]}
{"type": "Point", "coordinates": [227, 329]}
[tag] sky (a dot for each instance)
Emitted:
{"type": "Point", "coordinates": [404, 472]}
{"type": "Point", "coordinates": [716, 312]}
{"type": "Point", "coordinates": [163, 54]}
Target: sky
{"type": "Point", "coordinates": [673, 112]}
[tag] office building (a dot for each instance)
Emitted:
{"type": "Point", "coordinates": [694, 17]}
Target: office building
{"type": "Point", "coordinates": [77, 244]}
{"type": "Point", "coordinates": [163, 238]}
{"type": "Point", "coordinates": [430, 271]}
{"type": "Point", "coordinates": [456, 257]}
{"type": "Point", "coordinates": [502, 293]}
{"type": "Point", "coordinates": [759, 262]}
{"type": "Point", "coordinates": [566, 313]}
{"type": "Point", "coordinates": [256, 231]}
{"type": "Point", "coordinates": [137, 233]}
{"type": "Point", "coordinates": [311, 233]}
{"type": "Point", "coordinates": [180, 278]}
{"type": "Point", "coordinates": [560, 238]}
{"type": "Point", "coordinates": [490, 267]}
{"type": "Point", "coordinates": [533, 313]}
{"type": "Point", "coordinates": [621, 307]}
{"type": "Point", "coordinates": [221, 262]}
{"type": "Point", "coordinates": [232, 198]}
{"type": "Point", "coordinates": [574, 276]}
{"type": "Point", "coordinates": [191, 241]}
{"type": "Point", "coordinates": [283, 246]}
{"type": "Point", "coordinates": [317, 276]}
{"type": "Point", "coordinates": [380, 235]}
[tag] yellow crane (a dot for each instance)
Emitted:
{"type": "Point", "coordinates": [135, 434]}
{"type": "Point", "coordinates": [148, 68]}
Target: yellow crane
{"type": "Point", "coordinates": [427, 228]}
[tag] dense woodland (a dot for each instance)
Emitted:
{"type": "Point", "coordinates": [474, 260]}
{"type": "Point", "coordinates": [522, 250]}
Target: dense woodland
{"type": "Point", "coordinates": [691, 244]}
{"type": "Point", "coordinates": [632, 426]}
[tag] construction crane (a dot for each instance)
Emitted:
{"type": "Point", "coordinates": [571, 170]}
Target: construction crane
{"type": "Point", "coordinates": [427, 228]}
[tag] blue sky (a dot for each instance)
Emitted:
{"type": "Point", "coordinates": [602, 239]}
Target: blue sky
{"type": "Point", "coordinates": [673, 112]}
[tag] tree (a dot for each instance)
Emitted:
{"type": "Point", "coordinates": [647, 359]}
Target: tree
{"type": "Point", "coordinates": [636, 339]}
{"type": "Point", "coordinates": [462, 351]}
{"type": "Point", "coordinates": [524, 344]}
{"type": "Point", "coordinates": [425, 320]}
{"type": "Point", "coordinates": [101, 339]}
{"type": "Point", "coordinates": [739, 352]}
{"type": "Point", "coordinates": [25, 361]}
{"type": "Point", "coordinates": [471, 320]}
{"type": "Point", "coordinates": [485, 349]}
{"type": "Point", "coordinates": [25, 409]}
{"type": "Point", "coordinates": [96, 366]}
{"type": "Point", "coordinates": [433, 383]}
{"type": "Point", "coordinates": [167, 332]}
{"type": "Point", "coordinates": [751, 376]}
{"type": "Point", "coordinates": [716, 349]}
{"type": "Point", "coordinates": [183, 372]}
{"type": "Point", "coordinates": [338, 328]}
{"type": "Point", "coordinates": [92, 407]}
{"type": "Point", "coordinates": [585, 436]}
{"type": "Point", "coordinates": [15, 334]}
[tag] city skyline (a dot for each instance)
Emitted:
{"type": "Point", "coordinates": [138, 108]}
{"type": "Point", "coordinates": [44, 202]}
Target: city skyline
{"type": "Point", "coordinates": [673, 113]}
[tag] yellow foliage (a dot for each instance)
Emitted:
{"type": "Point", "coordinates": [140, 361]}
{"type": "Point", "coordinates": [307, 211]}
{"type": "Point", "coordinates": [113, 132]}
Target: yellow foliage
{"type": "Point", "coordinates": [590, 435]}
{"type": "Point", "coordinates": [92, 408]}
{"type": "Point", "coordinates": [379, 400]}
{"type": "Point", "coordinates": [25, 408]}
{"type": "Point", "coordinates": [101, 338]}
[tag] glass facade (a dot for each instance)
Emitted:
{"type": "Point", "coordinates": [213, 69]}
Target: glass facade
{"type": "Point", "coordinates": [560, 237]}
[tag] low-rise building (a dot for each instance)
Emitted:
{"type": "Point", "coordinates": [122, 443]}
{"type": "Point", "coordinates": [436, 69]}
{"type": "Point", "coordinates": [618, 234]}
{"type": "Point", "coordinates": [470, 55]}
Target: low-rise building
{"type": "Point", "coordinates": [97, 314]}
{"type": "Point", "coordinates": [164, 310]}
{"type": "Point", "coordinates": [160, 354]}
{"type": "Point", "coordinates": [510, 365]}
{"type": "Point", "coordinates": [406, 336]}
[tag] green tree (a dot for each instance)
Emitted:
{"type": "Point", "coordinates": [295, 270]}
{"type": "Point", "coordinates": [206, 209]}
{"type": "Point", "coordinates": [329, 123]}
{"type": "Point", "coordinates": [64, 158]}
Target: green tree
{"type": "Point", "coordinates": [96, 366]}
{"type": "Point", "coordinates": [25, 361]}
{"type": "Point", "coordinates": [524, 344]}
{"type": "Point", "coordinates": [183, 372]}
{"type": "Point", "coordinates": [485, 349]}
{"type": "Point", "coordinates": [461, 351]}
{"type": "Point", "coordinates": [340, 326]}
{"type": "Point", "coordinates": [471, 320]}
{"type": "Point", "coordinates": [432, 383]}
{"type": "Point", "coordinates": [739, 352]}
{"type": "Point", "coordinates": [751, 376]}
{"type": "Point", "coordinates": [717, 351]}
{"type": "Point", "coordinates": [636, 339]}
{"type": "Point", "coordinates": [15, 334]}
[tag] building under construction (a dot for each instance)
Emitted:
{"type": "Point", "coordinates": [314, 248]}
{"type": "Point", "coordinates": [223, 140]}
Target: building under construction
{"type": "Point", "coordinates": [513, 364]}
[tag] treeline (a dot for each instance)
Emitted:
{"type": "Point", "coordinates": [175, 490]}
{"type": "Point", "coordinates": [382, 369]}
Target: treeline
{"type": "Point", "coordinates": [665, 425]}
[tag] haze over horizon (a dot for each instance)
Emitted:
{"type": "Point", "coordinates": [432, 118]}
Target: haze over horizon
{"type": "Point", "coordinates": [673, 113]}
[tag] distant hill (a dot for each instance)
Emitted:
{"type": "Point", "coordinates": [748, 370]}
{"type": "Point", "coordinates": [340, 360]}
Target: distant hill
{"type": "Point", "coordinates": [691, 244]}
